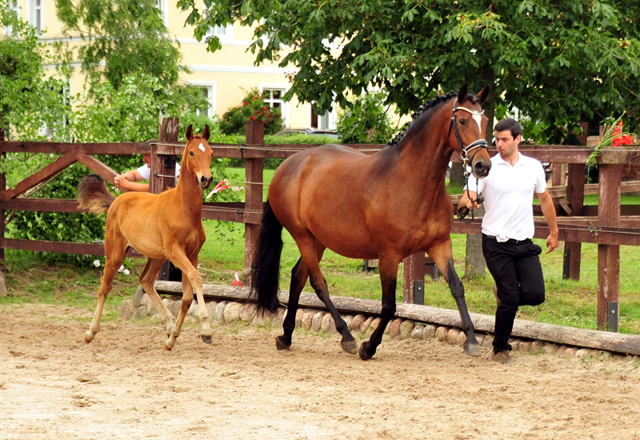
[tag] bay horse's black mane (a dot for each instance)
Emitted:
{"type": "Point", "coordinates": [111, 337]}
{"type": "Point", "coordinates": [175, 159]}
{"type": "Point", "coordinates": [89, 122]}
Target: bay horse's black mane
{"type": "Point", "coordinates": [424, 108]}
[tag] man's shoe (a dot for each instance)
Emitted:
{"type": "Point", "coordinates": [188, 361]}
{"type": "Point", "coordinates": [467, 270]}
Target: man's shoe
{"type": "Point", "coordinates": [501, 357]}
{"type": "Point", "coordinates": [495, 293]}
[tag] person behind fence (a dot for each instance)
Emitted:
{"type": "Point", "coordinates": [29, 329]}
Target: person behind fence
{"type": "Point", "coordinates": [507, 230]}
{"type": "Point", "coordinates": [129, 179]}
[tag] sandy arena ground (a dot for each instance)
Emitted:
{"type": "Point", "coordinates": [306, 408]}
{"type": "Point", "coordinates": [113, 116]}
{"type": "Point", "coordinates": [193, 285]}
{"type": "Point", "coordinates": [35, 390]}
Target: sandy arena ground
{"type": "Point", "coordinates": [124, 385]}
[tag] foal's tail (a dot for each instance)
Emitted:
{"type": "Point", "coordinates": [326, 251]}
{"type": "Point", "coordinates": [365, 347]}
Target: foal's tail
{"type": "Point", "coordinates": [93, 195]}
{"type": "Point", "coordinates": [265, 270]}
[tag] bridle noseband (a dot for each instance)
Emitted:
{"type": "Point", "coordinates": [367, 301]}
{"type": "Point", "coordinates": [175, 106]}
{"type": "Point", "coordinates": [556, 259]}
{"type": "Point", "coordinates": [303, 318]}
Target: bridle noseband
{"type": "Point", "coordinates": [464, 151]}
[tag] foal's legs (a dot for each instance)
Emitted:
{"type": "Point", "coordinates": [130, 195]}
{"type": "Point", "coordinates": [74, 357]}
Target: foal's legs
{"type": "Point", "coordinates": [311, 252]}
{"type": "Point", "coordinates": [388, 267]}
{"type": "Point", "coordinates": [442, 254]}
{"type": "Point", "coordinates": [115, 256]}
{"type": "Point", "coordinates": [191, 280]}
{"type": "Point", "coordinates": [147, 281]}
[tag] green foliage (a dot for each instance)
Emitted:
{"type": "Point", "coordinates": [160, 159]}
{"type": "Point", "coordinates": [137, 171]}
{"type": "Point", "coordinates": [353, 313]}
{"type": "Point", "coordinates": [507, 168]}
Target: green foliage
{"type": "Point", "coordinates": [251, 108]}
{"type": "Point", "coordinates": [559, 62]}
{"type": "Point", "coordinates": [29, 100]}
{"type": "Point", "coordinates": [366, 121]}
{"type": "Point", "coordinates": [128, 36]}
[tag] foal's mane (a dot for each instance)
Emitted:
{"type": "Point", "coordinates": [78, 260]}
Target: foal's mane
{"type": "Point", "coordinates": [424, 113]}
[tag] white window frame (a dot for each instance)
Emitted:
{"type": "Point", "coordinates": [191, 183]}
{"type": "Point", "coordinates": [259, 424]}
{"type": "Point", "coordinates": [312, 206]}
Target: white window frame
{"type": "Point", "coordinates": [36, 13]}
{"type": "Point", "coordinates": [329, 117]}
{"type": "Point", "coordinates": [223, 33]}
{"type": "Point", "coordinates": [163, 7]}
{"type": "Point", "coordinates": [212, 87]}
{"type": "Point", "coordinates": [284, 105]}
{"type": "Point", "coordinates": [14, 5]}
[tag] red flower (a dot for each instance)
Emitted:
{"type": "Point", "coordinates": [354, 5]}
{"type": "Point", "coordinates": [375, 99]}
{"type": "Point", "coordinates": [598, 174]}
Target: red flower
{"type": "Point", "coordinates": [246, 103]}
{"type": "Point", "coordinates": [251, 117]}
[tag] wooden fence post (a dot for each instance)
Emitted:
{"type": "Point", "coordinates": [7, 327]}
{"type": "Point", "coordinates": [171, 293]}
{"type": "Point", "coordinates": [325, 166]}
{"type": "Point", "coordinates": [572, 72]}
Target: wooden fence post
{"type": "Point", "coordinates": [575, 197]}
{"type": "Point", "coordinates": [3, 187]}
{"type": "Point", "coordinates": [253, 193]}
{"type": "Point", "coordinates": [163, 169]}
{"type": "Point", "coordinates": [414, 271]}
{"type": "Point", "coordinates": [610, 176]}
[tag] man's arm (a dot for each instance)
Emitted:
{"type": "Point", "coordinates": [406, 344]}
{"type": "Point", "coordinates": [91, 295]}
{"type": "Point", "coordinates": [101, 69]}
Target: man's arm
{"type": "Point", "coordinates": [549, 211]}
{"type": "Point", "coordinates": [127, 181]}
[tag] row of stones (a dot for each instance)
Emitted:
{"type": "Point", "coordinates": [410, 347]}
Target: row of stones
{"type": "Point", "coordinates": [318, 320]}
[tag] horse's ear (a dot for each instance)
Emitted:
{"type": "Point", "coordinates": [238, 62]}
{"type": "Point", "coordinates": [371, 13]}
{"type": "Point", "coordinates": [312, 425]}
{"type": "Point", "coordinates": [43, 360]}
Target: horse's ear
{"type": "Point", "coordinates": [484, 94]}
{"type": "Point", "coordinates": [462, 94]}
{"type": "Point", "coordinates": [206, 133]}
{"type": "Point", "coordinates": [189, 133]}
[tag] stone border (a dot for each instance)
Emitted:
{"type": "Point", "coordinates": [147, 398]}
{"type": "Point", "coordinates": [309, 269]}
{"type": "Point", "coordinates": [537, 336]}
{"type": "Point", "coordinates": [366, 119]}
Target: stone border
{"type": "Point", "coordinates": [227, 312]}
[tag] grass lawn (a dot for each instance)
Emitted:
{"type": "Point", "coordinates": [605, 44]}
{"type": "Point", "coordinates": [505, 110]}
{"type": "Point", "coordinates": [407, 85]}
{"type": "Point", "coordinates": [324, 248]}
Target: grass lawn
{"type": "Point", "coordinates": [570, 303]}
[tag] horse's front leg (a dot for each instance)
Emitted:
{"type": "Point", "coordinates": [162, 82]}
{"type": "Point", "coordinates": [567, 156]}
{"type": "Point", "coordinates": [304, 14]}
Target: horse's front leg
{"type": "Point", "coordinates": [443, 257]}
{"type": "Point", "coordinates": [191, 280]}
{"type": "Point", "coordinates": [388, 277]}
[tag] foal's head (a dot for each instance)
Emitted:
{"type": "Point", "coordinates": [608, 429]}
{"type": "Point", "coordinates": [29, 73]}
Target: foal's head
{"type": "Point", "coordinates": [467, 130]}
{"type": "Point", "coordinates": [197, 156]}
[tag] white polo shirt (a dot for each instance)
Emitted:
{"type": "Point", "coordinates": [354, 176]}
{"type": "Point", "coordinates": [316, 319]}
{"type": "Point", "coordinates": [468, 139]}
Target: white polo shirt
{"type": "Point", "coordinates": [508, 197]}
{"type": "Point", "coordinates": [145, 171]}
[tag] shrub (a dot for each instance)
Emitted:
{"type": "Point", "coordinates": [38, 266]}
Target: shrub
{"type": "Point", "coordinates": [252, 107]}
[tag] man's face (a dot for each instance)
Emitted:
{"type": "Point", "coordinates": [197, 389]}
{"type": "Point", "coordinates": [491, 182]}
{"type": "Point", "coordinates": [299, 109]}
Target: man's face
{"type": "Point", "coordinates": [147, 159]}
{"type": "Point", "coordinates": [506, 144]}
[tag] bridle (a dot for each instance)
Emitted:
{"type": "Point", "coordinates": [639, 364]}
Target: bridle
{"type": "Point", "coordinates": [478, 145]}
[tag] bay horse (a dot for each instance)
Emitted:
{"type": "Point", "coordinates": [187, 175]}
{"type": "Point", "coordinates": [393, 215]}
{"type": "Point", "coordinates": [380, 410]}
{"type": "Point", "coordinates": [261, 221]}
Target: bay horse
{"type": "Point", "coordinates": [165, 226]}
{"type": "Point", "coordinates": [384, 206]}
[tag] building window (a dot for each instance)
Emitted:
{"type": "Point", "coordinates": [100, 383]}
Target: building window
{"type": "Point", "coordinates": [13, 6]}
{"type": "Point", "coordinates": [273, 97]}
{"type": "Point", "coordinates": [161, 5]}
{"type": "Point", "coordinates": [36, 18]}
{"type": "Point", "coordinates": [208, 92]}
{"type": "Point", "coordinates": [323, 122]}
{"type": "Point", "coordinates": [224, 33]}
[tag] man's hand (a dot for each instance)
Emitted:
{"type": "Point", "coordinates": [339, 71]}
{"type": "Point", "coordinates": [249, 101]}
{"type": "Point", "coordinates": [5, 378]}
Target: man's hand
{"type": "Point", "coordinates": [552, 242]}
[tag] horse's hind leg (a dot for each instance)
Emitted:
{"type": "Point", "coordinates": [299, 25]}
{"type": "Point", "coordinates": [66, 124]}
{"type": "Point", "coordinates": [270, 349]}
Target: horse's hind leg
{"type": "Point", "coordinates": [299, 277]}
{"type": "Point", "coordinates": [115, 257]}
{"type": "Point", "coordinates": [311, 255]}
{"type": "Point", "coordinates": [147, 281]}
{"type": "Point", "coordinates": [443, 257]}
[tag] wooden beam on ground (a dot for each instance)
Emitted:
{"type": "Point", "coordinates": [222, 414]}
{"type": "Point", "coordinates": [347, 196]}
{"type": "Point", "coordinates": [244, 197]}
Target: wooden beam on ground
{"type": "Point", "coordinates": [599, 340]}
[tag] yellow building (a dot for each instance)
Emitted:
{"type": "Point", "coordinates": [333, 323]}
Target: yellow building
{"type": "Point", "coordinates": [222, 75]}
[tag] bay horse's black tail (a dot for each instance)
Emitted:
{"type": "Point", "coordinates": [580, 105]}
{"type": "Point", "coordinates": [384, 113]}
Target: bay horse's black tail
{"type": "Point", "coordinates": [93, 195]}
{"type": "Point", "coordinates": [265, 270]}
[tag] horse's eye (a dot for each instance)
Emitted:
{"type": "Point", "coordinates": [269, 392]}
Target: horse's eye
{"type": "Point", "coordinates": [191, 153]}
{"type": "Point", "coordinates": [463, 122]}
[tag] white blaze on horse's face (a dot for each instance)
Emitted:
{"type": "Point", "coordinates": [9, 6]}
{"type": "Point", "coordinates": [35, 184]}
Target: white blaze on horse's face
{"type": "Point", "coordinates": [478, 119]}
{"type": "Point", "coordinates": [201, 147]}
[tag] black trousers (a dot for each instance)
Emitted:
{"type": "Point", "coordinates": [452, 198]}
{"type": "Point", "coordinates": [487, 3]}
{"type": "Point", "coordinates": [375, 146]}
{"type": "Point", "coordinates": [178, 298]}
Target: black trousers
{"type": "Point", "coordinates": [516, 269]}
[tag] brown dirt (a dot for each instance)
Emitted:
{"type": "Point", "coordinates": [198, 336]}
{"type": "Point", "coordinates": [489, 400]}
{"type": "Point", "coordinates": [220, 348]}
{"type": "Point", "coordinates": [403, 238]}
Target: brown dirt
{"type": "Point", "coordinates": [124, 385]}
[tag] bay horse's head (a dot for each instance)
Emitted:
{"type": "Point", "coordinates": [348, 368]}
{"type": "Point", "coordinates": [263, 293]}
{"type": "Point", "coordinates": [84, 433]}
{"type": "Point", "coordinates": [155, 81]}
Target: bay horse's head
{"type": "Point", "coordinates": [197, 156]}
{"type": "Point", "coordinates": [467, 130]}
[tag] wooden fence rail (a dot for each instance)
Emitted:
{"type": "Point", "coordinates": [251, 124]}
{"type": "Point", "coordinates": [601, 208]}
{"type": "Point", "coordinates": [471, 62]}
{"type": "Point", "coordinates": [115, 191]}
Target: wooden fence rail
{"type": "Point", "coordinates": [608, 228]}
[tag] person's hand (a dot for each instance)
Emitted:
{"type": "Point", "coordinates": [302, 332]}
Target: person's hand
{"type": "Point", "coordinates": [552, 242]}
{"type": "Point", "coordinates": [120, 182]}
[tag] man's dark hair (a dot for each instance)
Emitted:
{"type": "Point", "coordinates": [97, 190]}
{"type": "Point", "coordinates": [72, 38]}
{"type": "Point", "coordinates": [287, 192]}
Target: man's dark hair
{"type": "Point", "coordinates": [509, 124]}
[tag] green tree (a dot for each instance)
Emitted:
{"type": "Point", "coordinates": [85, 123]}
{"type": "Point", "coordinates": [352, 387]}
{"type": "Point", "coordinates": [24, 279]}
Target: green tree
{"type": "Point", "coordinates": [558, 62]}
{"type": "Point", "coordinates": [29, 100]}
{"type": "Point", "coordinates": [367, 121]}
{"type": "Point", "coordinates": [127, 36]}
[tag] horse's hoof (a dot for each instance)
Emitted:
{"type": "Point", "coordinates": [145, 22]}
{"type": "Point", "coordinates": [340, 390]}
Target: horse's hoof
{"type": "Point", "coordinates": [350, 347]}
{"type": "Point", "coordinates": [280, 345]}
{"type": "Point", "coordinates": [88, 337]}
{"type": "Point", "coordinates": [473, 350]}
{"type": "Point", "coordinates": [168, 345]}
{"type": "Point", "coordinates": [363, 353]}
{"type": "Point", "coordinates": [206, 339]}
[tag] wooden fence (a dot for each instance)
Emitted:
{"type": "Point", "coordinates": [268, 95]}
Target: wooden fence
{"type": "Point", "coordinates": [609, 227]}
